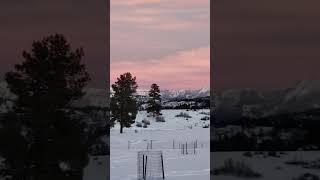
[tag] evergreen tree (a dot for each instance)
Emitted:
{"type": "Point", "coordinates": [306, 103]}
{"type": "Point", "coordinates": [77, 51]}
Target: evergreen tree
{"type": "Point", "coordinates": [41, 138]}
{"type": "Point", "coordinates": [154, 102]}
{"type": "Point", "coordinates": [123, 102]}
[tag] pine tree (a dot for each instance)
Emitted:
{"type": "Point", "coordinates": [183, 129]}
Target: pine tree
{"type": "Point", "coordinates": [41, 135]}
{"type": "Point", "coordinates": [154, 102]}
{"type": "Point", "coordinates": [123, 102]}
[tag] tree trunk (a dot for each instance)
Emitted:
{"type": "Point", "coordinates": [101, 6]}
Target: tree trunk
{"type": "Point", "coordinates": [121, 128]}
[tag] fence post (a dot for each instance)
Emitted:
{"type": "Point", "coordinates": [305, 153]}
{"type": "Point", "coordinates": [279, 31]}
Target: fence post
{"type": "Point", "coordinates": [186, 147]}
{"type": "Point", "coordinates": [143, 167]}
{"type": "Point", "coordinates": [173, 144]}
{"type": "Point", "coordinates": [183, 149]}
{"type": "Point", "coordinates": [162, 167]}
{"type": "Point", "coordinates": [145, 171]}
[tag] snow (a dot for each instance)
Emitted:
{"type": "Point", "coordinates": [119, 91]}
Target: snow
{"type": "Point", "coordinates": [97, 169]}
{"type": "Point", "coordinates": [270, 167]}
{"type": "Point", "coordinates": [171, 94]}
{"type": "Point", "coordinates": [124, 147]}
{"type": "Point", "coordinates": [182, 93]}
{"type": "Point", "coordinates": [64, 166]}
{"type": "Point", "coordinates": [303, 88]}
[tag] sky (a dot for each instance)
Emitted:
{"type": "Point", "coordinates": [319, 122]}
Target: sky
{"type": "Point", "coordinates": [83, 22]}
{"type": "Point", "coordinates": [266, 45]}
{"type": "Point", "coordinates": [161, 41]}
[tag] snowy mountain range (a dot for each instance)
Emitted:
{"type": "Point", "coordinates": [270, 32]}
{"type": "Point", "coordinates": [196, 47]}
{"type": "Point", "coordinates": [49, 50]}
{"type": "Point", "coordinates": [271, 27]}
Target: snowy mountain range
{"type": "Point", "coordinates": [185, 94]}
{"type": "Point", "coordinates": [168, 95]}
{"type": "Point", "coordinates": [303, 96]}
{"type": "Point", "coordinates": [97, 97]}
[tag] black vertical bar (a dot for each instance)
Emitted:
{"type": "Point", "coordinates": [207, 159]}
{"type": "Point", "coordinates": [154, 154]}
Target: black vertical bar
{"type": "Point", "coordinates": [107, 71]}
{"type": "Point", "coordinates": [108, 49]}
{"type": "Point", "coordinates": [212, 59]}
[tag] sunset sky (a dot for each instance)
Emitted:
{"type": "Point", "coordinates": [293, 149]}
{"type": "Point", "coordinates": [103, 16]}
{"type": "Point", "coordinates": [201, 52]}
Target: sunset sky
{"type": "Point", "coordinates": [259, 44]}
{"type": "Point", "coordinates": [161, 41]}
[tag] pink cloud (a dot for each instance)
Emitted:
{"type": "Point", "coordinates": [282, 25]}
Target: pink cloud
{"type": "Point", "coordinates": [132, 19]}
{"type": "Point", "coordinates": [188, 69]}
{"type": "Point", "coordinates": [177, 25]}
{"type": "Point", "coordinates": [163, 15]}
{"type": "Point", "coordinates": [191, 3]}
{"type": "Point", "coordinates": [133, 2]}
{"type": "Point", "coordinates": [168, 3]}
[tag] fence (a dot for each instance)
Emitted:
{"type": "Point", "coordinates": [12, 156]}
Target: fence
{"type": "Point", "coordinates": [182, 147]}
{"type": "Point", "coordinates": [150, 165]}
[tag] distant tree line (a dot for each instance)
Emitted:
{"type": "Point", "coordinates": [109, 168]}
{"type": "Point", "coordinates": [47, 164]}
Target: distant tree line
{"type": "Point", "coordinates": [289, 132]}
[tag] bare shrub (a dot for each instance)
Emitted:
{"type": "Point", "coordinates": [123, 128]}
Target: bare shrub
{"type": "Point", "coordinates": [184, 115]}
{"type": "Point", "coordinates": [307, 176]}
{"type": "Point", "coordinates": [297, 161]}
{"type": "Point", "coordinates": [160, 119]}
{"type": "Point", "coordinates": [248, 154]}
{"type": "Point", "coordinates": [238, 169]}
{"type": "Point", "coordinates": [147, 122]}
{"type": "Point", "coordinates": [206, 126]}
{"type": "Point", "coordinates": [204, 113]}
{"type": "Point", "coordinates": [206, 118]}
{"type": "Point", "coordinates": [139, 124]}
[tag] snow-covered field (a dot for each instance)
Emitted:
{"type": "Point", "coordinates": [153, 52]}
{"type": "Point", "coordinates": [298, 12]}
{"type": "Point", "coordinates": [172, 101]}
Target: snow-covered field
{"type": "Point", "coordinates": [274, 168]}
{"type": "Point", "coordinates": [97, 168]}
{"type": "Point", "coordinates": [124, 148]}
{"type": "Point", "coordinates": [166, 137]}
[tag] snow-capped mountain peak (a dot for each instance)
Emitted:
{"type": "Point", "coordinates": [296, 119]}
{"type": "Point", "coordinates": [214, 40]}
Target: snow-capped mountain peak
{"type": "Point", "coordinates": [185, 94]}
{"type": "Point", "coordinates": [177, 94]}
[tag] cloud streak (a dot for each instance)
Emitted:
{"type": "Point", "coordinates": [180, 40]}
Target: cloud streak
{"type": "Point", "coordinates": [164, 38]}
{"type": "Point", "coordinates": [146, 17]}
{"type": "Point", "coordinates": [189, 69]}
